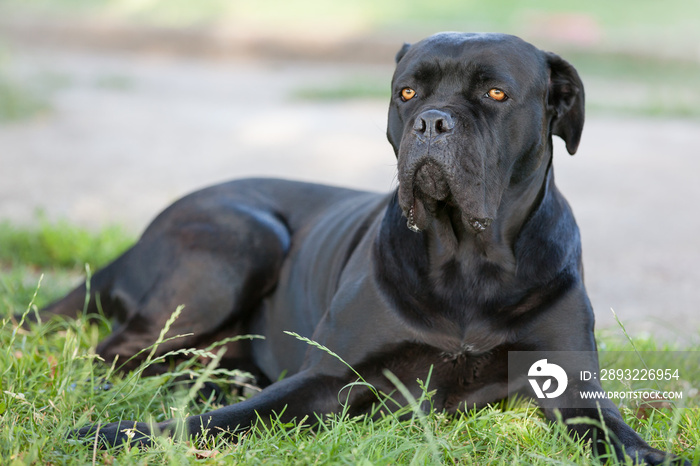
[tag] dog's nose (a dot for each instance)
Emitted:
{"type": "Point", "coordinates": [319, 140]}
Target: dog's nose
{"type": "Point", "coordinates": [433, 123]}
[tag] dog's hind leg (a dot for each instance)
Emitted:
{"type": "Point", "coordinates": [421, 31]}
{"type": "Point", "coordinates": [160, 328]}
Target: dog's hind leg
{"type": "Point", "coordinates": [218, 267]}
{"type": "Point", "coordinates": [218, 263]}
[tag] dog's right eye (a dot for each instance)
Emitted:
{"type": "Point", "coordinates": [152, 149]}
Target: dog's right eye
{"type": "Point", "coordinates": [407, 94]}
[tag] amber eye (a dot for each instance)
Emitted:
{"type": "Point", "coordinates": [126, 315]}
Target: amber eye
{"type": "Point", "coordinates": [407, 94]}
{"type": "Point", "coordinates": [497, 94]}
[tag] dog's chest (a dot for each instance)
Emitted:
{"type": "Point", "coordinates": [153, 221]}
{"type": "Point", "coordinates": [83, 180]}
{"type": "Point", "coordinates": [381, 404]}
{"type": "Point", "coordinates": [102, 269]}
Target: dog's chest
{"type": "Point", "coordinates": [460, 380]}
{"type": "Point", "coordinates": [476, 337]}
{"type": "Point", "coordinates": [467, 323]}
{"type": "Point", "coordinates": [472, 314]}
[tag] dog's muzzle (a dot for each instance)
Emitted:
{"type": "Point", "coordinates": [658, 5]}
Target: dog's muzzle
{"type": "Point", "coordinates": [431, 181]}
{"type": "Point", "coordinates": [430, 173]}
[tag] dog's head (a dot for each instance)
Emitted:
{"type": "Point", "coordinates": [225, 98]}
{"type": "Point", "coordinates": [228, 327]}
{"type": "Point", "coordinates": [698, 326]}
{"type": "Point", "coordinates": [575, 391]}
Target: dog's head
{"type": "Point", "coordinates": [472, 115]}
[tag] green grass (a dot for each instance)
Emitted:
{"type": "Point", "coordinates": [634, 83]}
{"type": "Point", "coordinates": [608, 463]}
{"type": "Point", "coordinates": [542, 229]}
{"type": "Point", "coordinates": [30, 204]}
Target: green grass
{"type": "Point", "coordinates": [50, 383]}
{"type": "Point", "coordinates": [19, 102]}
{"type": "Point", "coordinates": [60, 250]}
{"type": "Point", "coordinates": [22, 98]}
{"type": "Point", "coordinates": [60, 244]}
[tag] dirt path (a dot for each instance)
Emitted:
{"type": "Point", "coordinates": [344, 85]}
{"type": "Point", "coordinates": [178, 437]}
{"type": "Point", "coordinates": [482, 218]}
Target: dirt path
{"type": "Point", "coordinates": [127, 135]}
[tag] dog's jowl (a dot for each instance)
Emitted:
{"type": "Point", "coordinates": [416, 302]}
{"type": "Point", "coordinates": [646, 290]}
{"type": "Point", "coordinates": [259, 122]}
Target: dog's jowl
{"type": "Point", "coordinates": [475, 255]}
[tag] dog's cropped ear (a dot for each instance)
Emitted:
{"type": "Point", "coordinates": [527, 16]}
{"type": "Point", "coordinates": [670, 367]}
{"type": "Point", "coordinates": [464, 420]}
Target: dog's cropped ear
{"type": "Point", "coordinates": [565, 99]}
{"type": "Point", "coordinates": [402, 52]}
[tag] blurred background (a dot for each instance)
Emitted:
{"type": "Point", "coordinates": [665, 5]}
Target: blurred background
{"type": "Point", "coordinates": [111, 109]}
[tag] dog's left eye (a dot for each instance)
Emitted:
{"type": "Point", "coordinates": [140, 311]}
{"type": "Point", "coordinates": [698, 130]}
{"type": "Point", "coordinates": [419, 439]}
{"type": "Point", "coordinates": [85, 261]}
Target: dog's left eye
{"type": "Point", "coordinates": [497, 94]}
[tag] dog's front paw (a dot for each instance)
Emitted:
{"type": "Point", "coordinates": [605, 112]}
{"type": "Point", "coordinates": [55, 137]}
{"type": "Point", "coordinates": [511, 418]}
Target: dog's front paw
{"type": "Point", "coordinates": [114, 434]}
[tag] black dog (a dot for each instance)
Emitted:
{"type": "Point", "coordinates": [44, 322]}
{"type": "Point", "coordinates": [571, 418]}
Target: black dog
{"type": "Point", "coordinates": [476, 255]}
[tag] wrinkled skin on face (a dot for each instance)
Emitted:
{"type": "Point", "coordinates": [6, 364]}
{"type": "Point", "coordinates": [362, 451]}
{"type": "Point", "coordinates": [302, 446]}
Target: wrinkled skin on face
{"type": "Point", "coordinates": [464, 139]}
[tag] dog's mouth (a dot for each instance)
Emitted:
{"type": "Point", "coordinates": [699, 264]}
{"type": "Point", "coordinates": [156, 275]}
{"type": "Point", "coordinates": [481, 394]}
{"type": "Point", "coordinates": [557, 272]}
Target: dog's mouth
{"type": "Point", "coordinates": [419, 215]}
{"type": "Point", "coordinates": [429, 194]}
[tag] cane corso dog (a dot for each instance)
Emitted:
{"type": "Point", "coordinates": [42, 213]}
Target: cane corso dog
{"type": "Point", "coordinates": [476, 254]}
